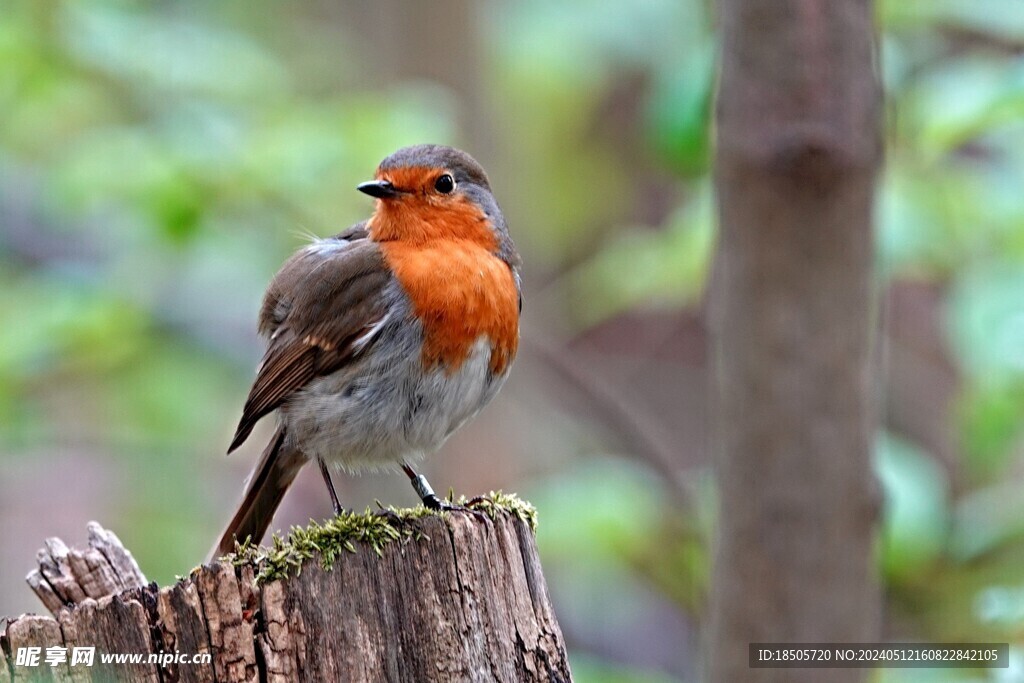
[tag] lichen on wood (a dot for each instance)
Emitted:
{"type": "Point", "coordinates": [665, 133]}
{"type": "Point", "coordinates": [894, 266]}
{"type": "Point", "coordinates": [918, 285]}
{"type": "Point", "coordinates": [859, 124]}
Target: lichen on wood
{"type": "Point", "coordinates": [374, 529]}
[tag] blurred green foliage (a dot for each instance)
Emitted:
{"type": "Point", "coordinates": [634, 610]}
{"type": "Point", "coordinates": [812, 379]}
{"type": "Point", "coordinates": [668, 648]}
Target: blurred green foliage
{"type": "Point", "coordinates": [153, 156]}
{"type": "Point", "coordinates": [155, 160]}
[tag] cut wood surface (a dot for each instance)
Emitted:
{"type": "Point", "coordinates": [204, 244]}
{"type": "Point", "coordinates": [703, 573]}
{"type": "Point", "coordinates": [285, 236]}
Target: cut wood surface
{"type": "Point", "coordinates": [411, 596]}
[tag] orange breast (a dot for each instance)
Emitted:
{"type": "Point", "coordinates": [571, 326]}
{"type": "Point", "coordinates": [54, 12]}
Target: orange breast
{"type": "Point", "coordinates": [460, 291]}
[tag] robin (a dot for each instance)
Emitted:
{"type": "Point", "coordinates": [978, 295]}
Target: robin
{"type": "Point", "coordinates": [386, 338]}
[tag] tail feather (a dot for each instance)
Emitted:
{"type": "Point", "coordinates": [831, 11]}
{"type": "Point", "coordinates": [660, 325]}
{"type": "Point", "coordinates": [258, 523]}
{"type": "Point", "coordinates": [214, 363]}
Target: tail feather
{"type": "Point", "coordinates": [274, 473]}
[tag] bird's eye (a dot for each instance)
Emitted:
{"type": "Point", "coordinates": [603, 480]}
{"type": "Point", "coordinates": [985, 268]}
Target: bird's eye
{"type": "Point", "coordinates": [445, 184]}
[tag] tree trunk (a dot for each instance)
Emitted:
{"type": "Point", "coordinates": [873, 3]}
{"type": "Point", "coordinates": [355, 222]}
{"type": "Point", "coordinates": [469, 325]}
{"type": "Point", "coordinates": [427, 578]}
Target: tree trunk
{"type": "Point", "coordinates": [458, 597]}
{"type": "Point", "coordinates": [797, 152]}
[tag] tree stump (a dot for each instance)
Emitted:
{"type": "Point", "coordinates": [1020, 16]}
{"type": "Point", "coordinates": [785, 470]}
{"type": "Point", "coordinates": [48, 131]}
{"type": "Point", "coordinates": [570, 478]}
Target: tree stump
{"type": "Point", "coordinates": [389, 596]}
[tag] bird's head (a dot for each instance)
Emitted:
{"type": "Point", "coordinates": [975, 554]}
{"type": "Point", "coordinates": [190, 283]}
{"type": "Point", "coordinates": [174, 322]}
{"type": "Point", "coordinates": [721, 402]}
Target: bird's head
{"type": "Point", "coordinates": [432, 192]}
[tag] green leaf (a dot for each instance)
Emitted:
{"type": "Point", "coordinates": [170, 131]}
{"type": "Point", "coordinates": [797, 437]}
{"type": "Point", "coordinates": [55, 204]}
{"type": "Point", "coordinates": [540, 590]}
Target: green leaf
{"type": "Point", "coordinates": [666, 266]}
{"type": "Point", "coordinates": [679, 113]}
{"type": "Point", "coordinates": [992, 422]}
{"type": "Point", "coordinates": [995, 17]}
{"type": "Point", "coordinates": [960, 100]}
{"type": "Point", "coordinates": [986, 313]}
{"type": "Point", "coordinates": [588, 668]}
{"type": "Point", "coordinates": [986, 518]}
{"type": "Point", "coordinates": [600, 509]}
{"type": "Point", "coordinates": [916, 516]}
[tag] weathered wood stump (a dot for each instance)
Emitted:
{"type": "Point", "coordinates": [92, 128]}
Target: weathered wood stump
{"type": "Point", "coordinates": [389, 596]}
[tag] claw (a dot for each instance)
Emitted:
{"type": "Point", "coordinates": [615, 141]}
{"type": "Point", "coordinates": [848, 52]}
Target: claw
{"type": "Point", "coordinates": [430, 499]}
{"type": "Point", "coordinates": [440, 504]}
{"type": "Point", "coordinates": [396, 520]}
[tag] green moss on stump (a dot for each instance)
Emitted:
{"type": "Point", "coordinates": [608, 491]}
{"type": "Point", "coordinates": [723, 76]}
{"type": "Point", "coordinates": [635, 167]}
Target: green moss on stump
{"type": "Point", "coordinates": [375, 529]}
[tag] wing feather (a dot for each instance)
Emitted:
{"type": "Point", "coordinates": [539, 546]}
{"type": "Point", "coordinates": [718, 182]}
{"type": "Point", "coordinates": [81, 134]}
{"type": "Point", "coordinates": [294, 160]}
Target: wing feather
{"type": "Point", "coordinates": [323, 308]}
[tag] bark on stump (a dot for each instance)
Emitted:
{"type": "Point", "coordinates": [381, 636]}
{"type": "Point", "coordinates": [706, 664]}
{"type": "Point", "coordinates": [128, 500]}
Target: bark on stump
{"type": "Point", "coordinates": [453, 597]}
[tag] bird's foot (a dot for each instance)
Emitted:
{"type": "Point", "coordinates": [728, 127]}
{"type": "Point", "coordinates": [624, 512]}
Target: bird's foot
{"type": "Point", "coordinates": [435, 502]}
{"type": "Point", "coordinates": [396, 520]}
{"type": "Point", "coordinates": [431, 500]}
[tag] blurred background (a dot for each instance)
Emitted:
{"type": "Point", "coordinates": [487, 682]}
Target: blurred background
{"type": "Point", "coordinates": [159, 161]}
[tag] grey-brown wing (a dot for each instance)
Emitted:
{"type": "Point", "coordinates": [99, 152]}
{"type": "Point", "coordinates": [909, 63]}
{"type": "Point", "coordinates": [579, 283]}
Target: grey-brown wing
{"type": "Point", "coordinates": [281, 293]}
{"type": "Point", "coordinates": [318, 311]}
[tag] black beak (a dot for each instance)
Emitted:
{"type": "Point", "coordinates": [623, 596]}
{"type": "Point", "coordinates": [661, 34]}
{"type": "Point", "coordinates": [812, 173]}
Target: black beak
{"type": "Point", "coordinates": [381, 189]}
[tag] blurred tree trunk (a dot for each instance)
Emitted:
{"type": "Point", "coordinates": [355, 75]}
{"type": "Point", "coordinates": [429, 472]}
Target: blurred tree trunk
{"type": "Point", "coordinates": [798, 149]}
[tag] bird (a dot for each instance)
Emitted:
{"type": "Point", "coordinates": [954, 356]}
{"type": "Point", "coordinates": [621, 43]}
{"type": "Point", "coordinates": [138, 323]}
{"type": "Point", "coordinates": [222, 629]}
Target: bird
{"type": "Point", "coordinates": [385, 338]}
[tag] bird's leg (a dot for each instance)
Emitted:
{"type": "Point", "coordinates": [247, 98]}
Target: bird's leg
{"type": "Point", "coordinates": [431, 499]}
{"type": "Point", "coordinates": [330, 486]}
{"type": "Point", "coordinates": [424, 491]}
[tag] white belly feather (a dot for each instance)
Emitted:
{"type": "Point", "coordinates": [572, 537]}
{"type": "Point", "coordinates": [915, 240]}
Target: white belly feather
{"type": "Point", "coordinates": [401, 414]}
